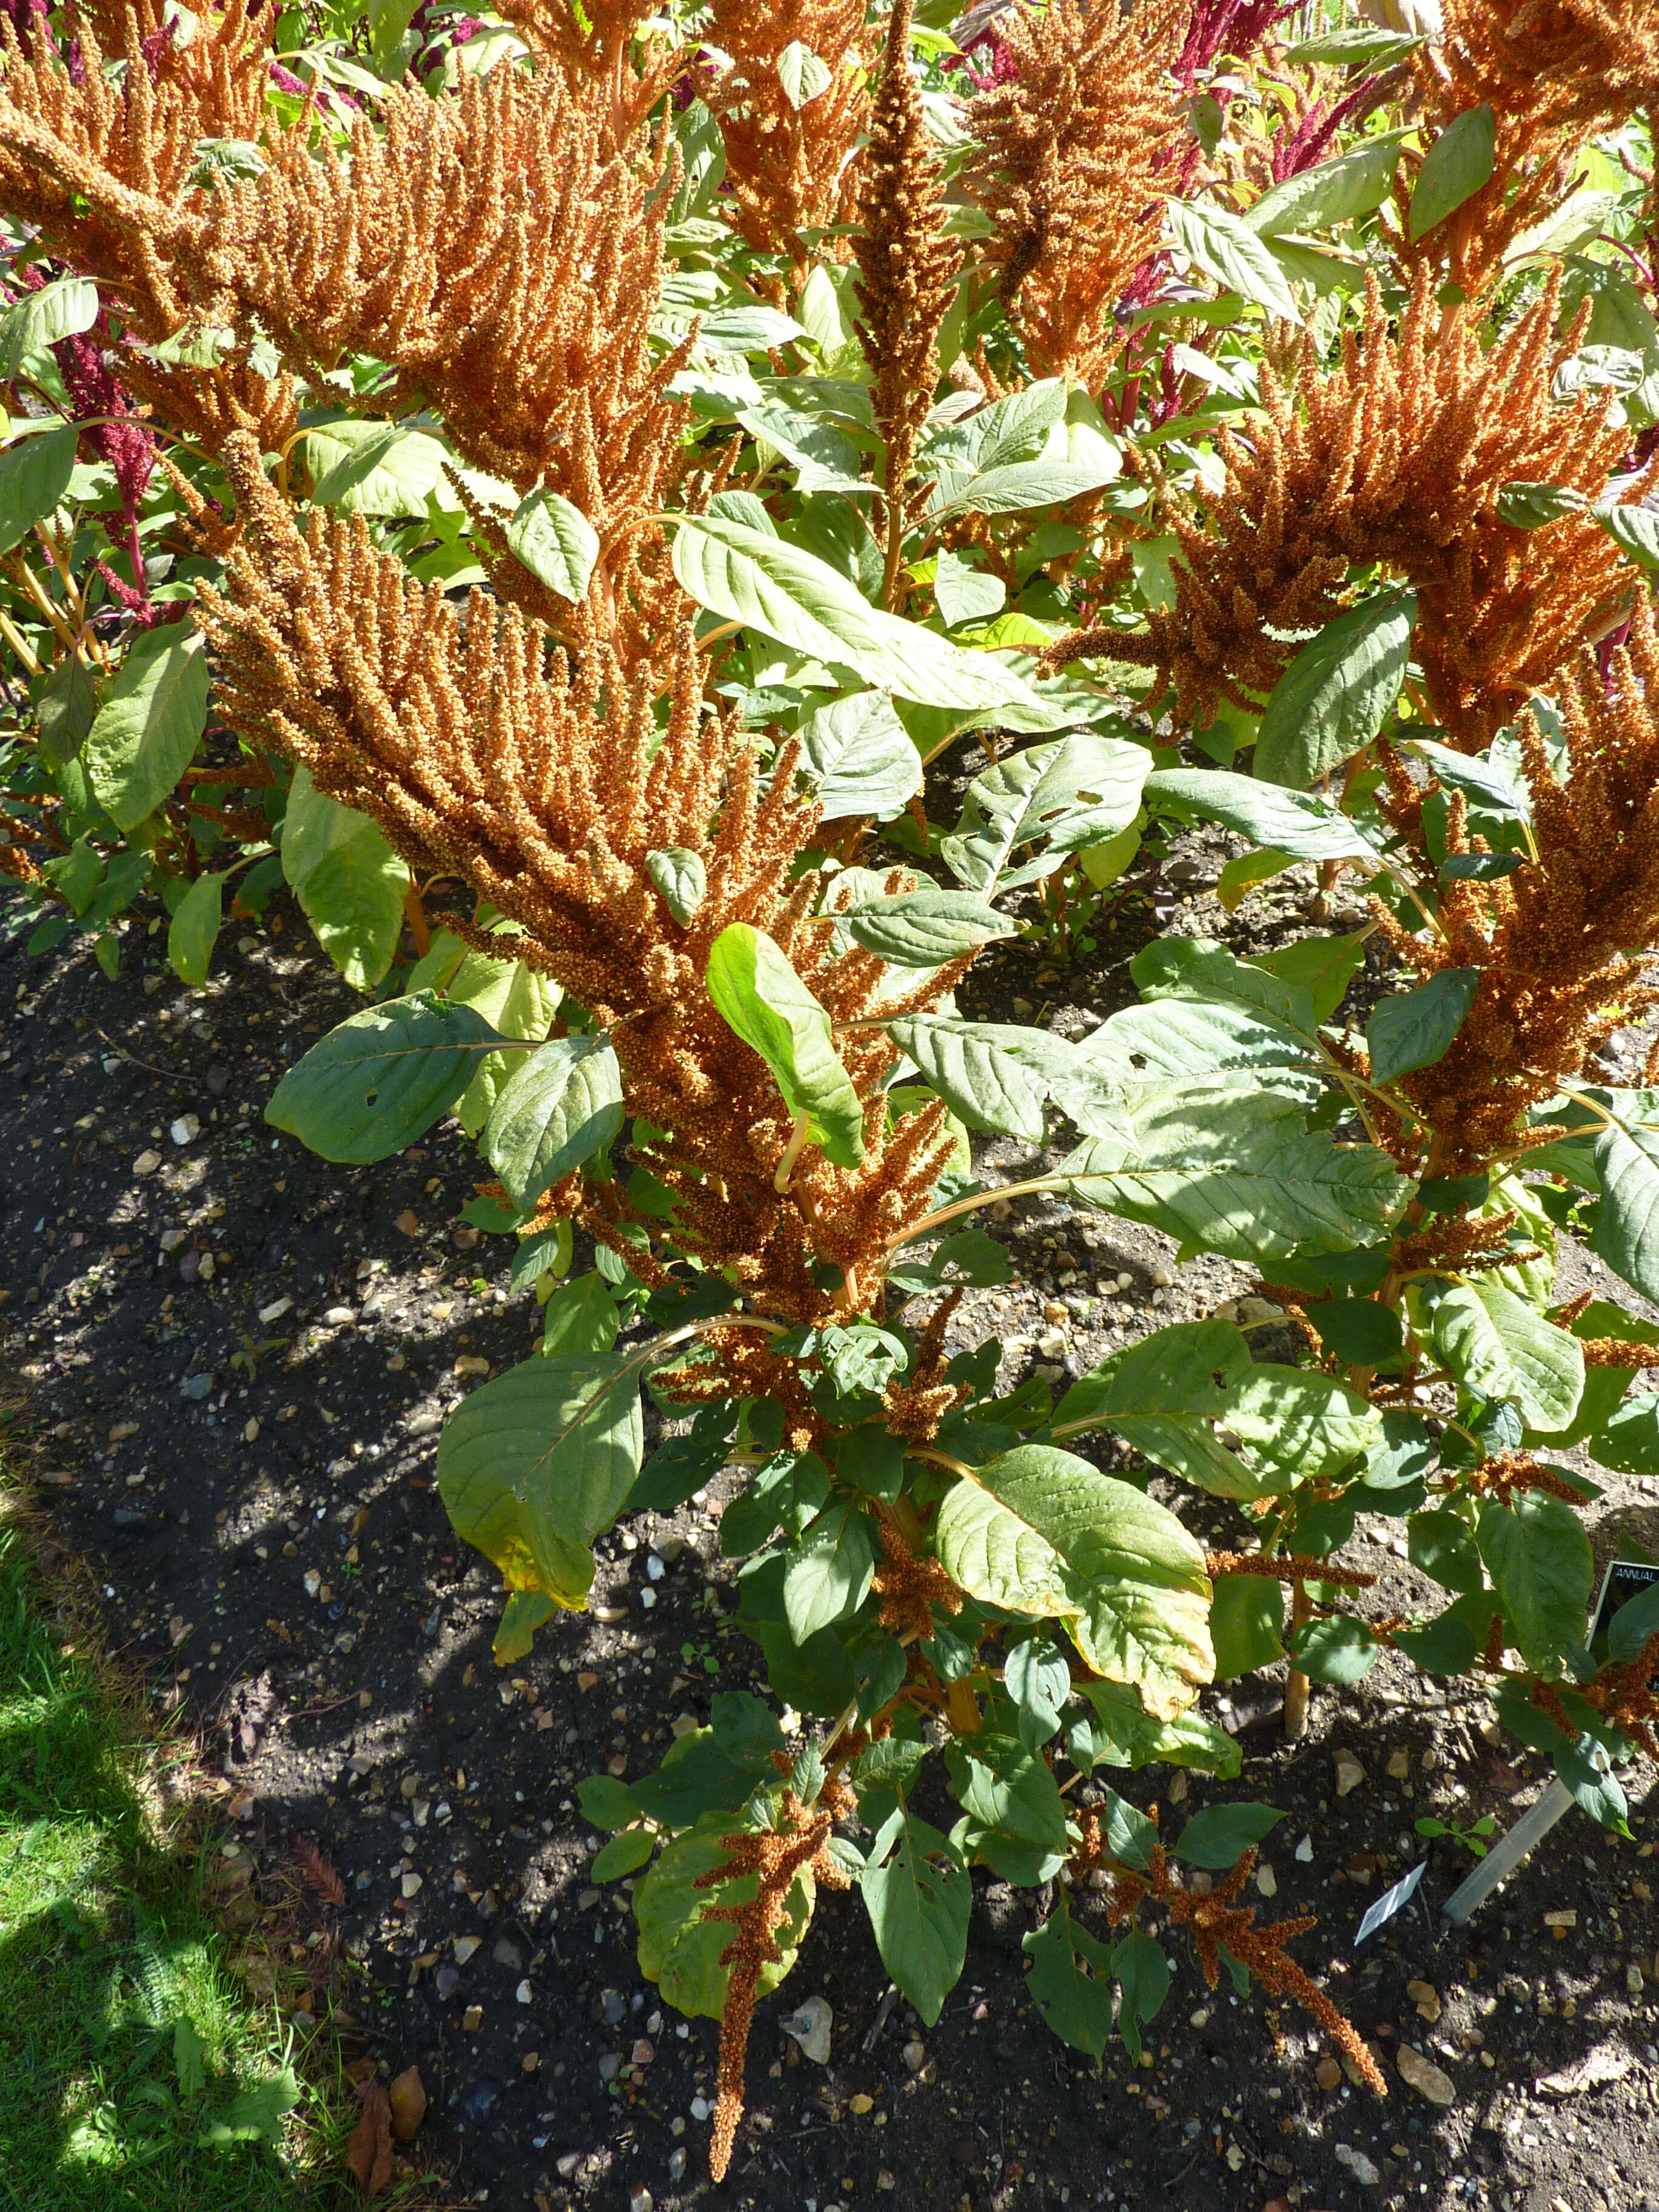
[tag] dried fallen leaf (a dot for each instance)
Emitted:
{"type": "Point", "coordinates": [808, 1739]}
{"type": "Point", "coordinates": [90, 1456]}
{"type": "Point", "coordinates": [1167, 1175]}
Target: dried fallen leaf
{"type": "Point", "coordinates": [409, 1221]}
{"type": "Point", "coordinates": [1426, 2077]}
{"type": "Point", "coordinates": [407, 2097]}
{"type": "Point", "coordinates": [319, 1871]}
{"type": "Point", "coordinates": [369, 2154]}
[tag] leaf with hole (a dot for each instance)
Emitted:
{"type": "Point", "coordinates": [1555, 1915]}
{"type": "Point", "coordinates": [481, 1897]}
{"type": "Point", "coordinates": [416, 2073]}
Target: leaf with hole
{"type": "Point", "coordinates": [924, 928]}
{"type": "Point", "coordinates": [381, 1079]}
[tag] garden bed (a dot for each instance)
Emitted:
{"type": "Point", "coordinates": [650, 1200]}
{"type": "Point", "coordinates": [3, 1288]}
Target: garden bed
{"type": "Point", "coordinates": [238, 1360]}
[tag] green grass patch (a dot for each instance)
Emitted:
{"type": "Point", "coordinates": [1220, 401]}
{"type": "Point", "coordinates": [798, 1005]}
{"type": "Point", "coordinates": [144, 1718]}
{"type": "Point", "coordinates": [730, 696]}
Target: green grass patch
{"type": "Point", "coordinates": [133, 2071]}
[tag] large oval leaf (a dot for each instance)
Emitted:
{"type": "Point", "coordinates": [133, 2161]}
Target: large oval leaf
{"type": "Point", "coordinates": [152, 719]}
{"type": "Point", "coordinates": [1136, 1597]}
{"type": "Point", "coordinates": [679, 1947]}
{"type": "Point", "coordinates": [758, 993]}
{"type": "Point", "coordinates": [34, 474]}
{"type": "Point", "coordinates": [535, 1465]}
{"type": "Point", "coordinates": [381, 1079]}
{"type": "Point", "coordinates": [785, 593]}
{"type": "Point", "coordinates": [1498, 1346]}
{"type": "Point", "coordinates": [562, 1105]}
{"type": "Point", "coordinates": [350, 885]}
{"type": "Point", "coordinates": [923, 929]}
{"type": "Point", "coordinates": [1337, 692]}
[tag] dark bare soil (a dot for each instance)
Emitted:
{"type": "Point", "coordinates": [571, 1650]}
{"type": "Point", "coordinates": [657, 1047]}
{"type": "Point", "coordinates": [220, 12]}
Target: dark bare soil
{"type": "Point", "coordinates": [256, 1498]}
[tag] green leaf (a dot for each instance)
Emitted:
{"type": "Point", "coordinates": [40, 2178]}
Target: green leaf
{"type": "Point", "coordinates": [1441, 1544]}
{"type": "Point", "coordinates": [964, 593]}
{"type": "Point", "coordinates": [1626, 1234]}
{"type": "Point", "coordinates": [624, 1854]}
{"type": "Point", "coordinates": [745, 576]}
{"type": "Point", "coordinates": [555, 542]}
{"type": "Point", "coordinates": [919, 1898]}
{"type": "Point", "coordinates": [681, 880]}
{"type": "Point", "coordinates": [1337, 692]}
{"type": "Point", "coordinates": [759, 994]}
{"type": "Point", "coordinates": [924, 929]}
{"type": "Point", "coordinates": [1070, 1980]}
{"type": "Point", "coordinates": [1634, 530]}
{"type": "Point", "coordinates": [1456, 166]}
{"type": "Point", "coordinates": [518, 1001]}
{"type": "Point", "coordinates": [1016, 1814]}
{"type": "Point", "coordinates": [1236, 1173]}
{"type": "Point", "coordinates": [1040, 1532]}
{"type": "Point", "coordinates": [377, 468]}
{"type": "Point", "coordinates": [802, 74]}
{"type": "Point", "coordinates": [381, 1079]}
{"type": "Point", "coordinates": [1340, 1651]}
{"type": "Point", "coordinates": [862, 757]}
{"type": "Point", "coordinates": [1142, 1972]}
{"type": "Point", "coordinates": [535, 1465]}
{"type": "Point", "coordinates": [194, 929]}
{"type": "Point", "coordinates": [35, 475]}
{"type": "Point", "coordinates": [255, 2114]}
{"type": "Point", "coordinates": [1356, 47]}
{"type": "Point", "coordinates": [1120, 1732]}
{"type": "Point", "coordinates": [1633, 1627]}
{"type": "Point", "coordinates": [1358, 1331]}
{"type": "Point", "coordinates": [580, 1318]}
{"type": "Point", "coordinates": [62, 309]}
{"type": "Point", "coordinates": [606, 1801]}
{"type": "Point", "coordinates": [1414, 1029]}
{"type": "Point", "coordinates": [1198, 968]}
{"type": "Point", "coordinates": [1537, 1554]}
{"type": "Point", "coordinates": [144, 734]}
{"type": "Point", "coordinates": [1595, 1789]}
{"type": "Point", "coordinates": [350, 885]}
{"type": "Point", "coordinates": [188, 2052]}
{"type": "Point", "coordinates": [562, 1105]}
{"type": "Point", "coordinates": [66, 707]}
{"type": "Point", "coordinates": [1219, 1837]}
{"type": "Point", "coordinates": [1298, 823]}
{"type": "Point", "coordinates": [1247, 1624]}
{"type": "Point", "coordinates": [1224, 245]}
{"type": "Point", "coordinates": [1323, 967]}
{"type": "Point", "coordinates": [1334, 192]}
{"type": "Point", "coordinates": [828, 1573]}
{"type": "Point", "coordinates": [679, 1948]}
{"type": "Point", "coordinates": [1498, 1346]}
{"type": "Point", "coordinates": [1018, 486]}
{"type": "Point", "coordinates": [994, 1075]}
{"type": "Point", "coordinates": [1629, 1443]}
{"type": "Point", "coordinates": [525, 1612]}
{"type": "Point", "coordinates": [1534, 506]}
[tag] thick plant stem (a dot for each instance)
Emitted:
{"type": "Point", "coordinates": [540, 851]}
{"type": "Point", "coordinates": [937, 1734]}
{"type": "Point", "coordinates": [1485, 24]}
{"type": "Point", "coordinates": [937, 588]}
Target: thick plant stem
{"type": "Point", "coordinates": [1296, 1682]}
